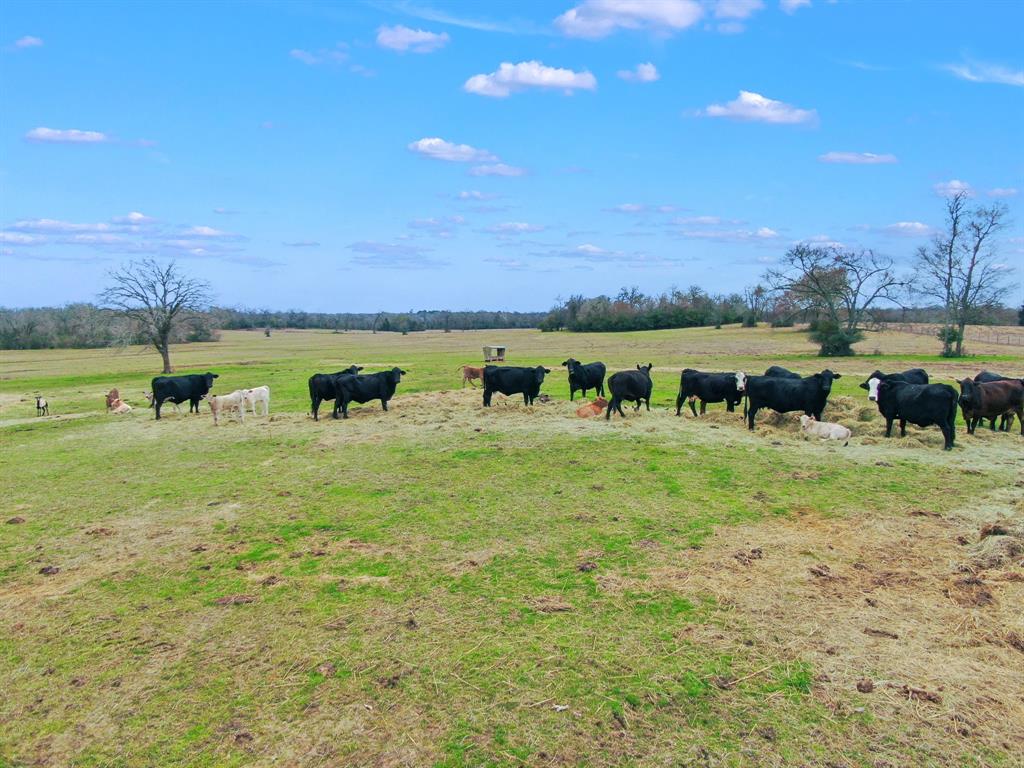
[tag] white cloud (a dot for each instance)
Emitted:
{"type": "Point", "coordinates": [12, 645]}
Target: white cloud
{"type": "Point", "coordinates": [16, 238]}
{"type": "Point", "coordinates": [66, 136]}
{"type": "Point", "coordinates": [400, 38]}
{"type": "Point", "coordinates": [335, 55]}
{"type": "Point", "coordinates": [302, 244]}
{"type": "Point", "coordinates": [1002, 192]}
{"type": "Point", "coordinates": [756, 108]}
{"type": "Point", "coordinates": [629, 208]}
{"type": "Point", "coordinates": [514, 228]}
{"type": "Point", "coordinates": [737, 9]}
{"type": "Point", "coordinates": [857, 158]}
{"type": "Point", "coordinates": [203, 231]}
{"type": "Point", "coordinates": [496, 169]}
{"type": "Point", "coordinates": [761, 234]}
{"type": "Point", "coordinates": [907, 229]}
{"type": "Point", "coordinates": [953, 187]}
{"type": "Point", "coordinates": [791, 6]}
{"type": "Point", "coordinates": [981, 72]}
{"type": "Point", "coordinates": [439, 149]}
{"type": "Point", "coordinates": [56, 226]}
{"type": "Point", "coordinates": [510, 78]}
{"type": "Point", "coordinates": [595, 19]}
{"type": "Point", "coordinates": [134, 218]}
{"type": "Point", "coordinates": [377, 255]}
{"type": "Point", "coordinates": [476, 194]}
{"type": "Point", "coordinates": [28, 41]}
{"type": "Point", "coordinates": [643, 73]}
{"type": "Point", "coordinates": [824, 241]}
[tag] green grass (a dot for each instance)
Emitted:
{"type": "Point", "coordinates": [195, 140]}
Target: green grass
{"type": "Point", "coordinates": [427, 605]}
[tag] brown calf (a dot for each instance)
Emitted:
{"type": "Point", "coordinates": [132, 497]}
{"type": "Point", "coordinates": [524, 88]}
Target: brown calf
{"type": "Point", "coordinates": [592, 409]}
{"type": "Point", "coordinates": [112, 397]}
{"type": "Point", "coordinates": [990, 400]}
{"type": "Point", "coordinates": [470, 374]}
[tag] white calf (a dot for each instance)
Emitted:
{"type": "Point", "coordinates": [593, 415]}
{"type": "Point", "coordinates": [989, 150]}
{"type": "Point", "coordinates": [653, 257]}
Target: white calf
{"type": "Point", "coordinates": [149, 398]}
{"type": "Point", "coordinates": [826, 430]}
{"type": "Point", "coordinates": [223, 403]}
{"type": "Point", "coordinates": [42, 407]}
{"type": "Point", "coordinates": [119, 406]}
{"type": "Point", "coordinates": [257, 395]}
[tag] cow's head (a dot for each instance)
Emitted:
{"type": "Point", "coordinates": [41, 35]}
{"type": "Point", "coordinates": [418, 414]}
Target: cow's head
{"type": "Point", "coordinates": [875, 375]}
{"type": "Point", "coordinates": [353, 369]}
{"type": "Point", "coordinates": [539, 372]}
{"type": "Point", "coordinates": [741, 381]}
{"type": "Point", "coordinates": [805, 420]}
{"type": "Point", "coordinates": [149, 397]}
{"type": "Point", "coordinates": [826, 378]}
{"type": "Point", "coordinates": [600, 402]}
{"type": "Point", "coordinates": [396, 374]}
{"type": "Point", "coordinates": [209, 377]}
{"type": "Point", "coordinates": [645, 368]}
{"type": "Point", "coordinates": [570, 363]}
{"type": "Point", "coordinates": [968, 392]}
{"type": "Point", "coordinates": [874, 387]}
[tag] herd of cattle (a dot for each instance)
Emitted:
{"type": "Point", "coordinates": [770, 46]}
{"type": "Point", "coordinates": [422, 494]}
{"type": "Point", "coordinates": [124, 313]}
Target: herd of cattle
{"type": "Point", "coordinates": [907, 397]}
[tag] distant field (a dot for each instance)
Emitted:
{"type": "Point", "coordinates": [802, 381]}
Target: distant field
{"type": "Point", "coordinates": [447, 585]}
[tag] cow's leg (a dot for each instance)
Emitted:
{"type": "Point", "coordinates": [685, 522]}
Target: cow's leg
{"type": "Point", "coordinates": [903, 427]}
{"type": "Point", "coordinates": [693, 408]}
{"type": "Point", "coordinates": [608, 413]}
{"type": "Point", "coordinates": [751, 413]}
{"type": "Point", "coordinates": [947, 435]}
{"type": "Point", "coordinates": [679, 403]}
{"type": "Point", "coordinates": [487, 397]}
{"type": "Point", "coordinates": [156, 404]}
{"type": "Point", "coordinates": [647, 400]}
{"type": "Point", "coordinates": [703, 407]}
{"type": "Point", "coordinates": [383, 403]}
{"type": "Point", "coordinates": [888, 426]}
{"type": "Point", "coordinates": [572, 392]}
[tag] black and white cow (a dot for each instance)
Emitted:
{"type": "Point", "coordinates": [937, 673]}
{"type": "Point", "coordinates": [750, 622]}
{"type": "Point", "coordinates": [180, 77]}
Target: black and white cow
{"type": "Point", "coordinates": [809, 394]}
{"type": "Point", "coordinates": [178, 389]}
{"type": "Point", "coordinates": [925, 405]}
{"type": "Point", "coordinates": [362, 388]}
{"type": "Point", "coordinates": [584, 377]}
{"type": "Point", "coordinates": [513, 380]}
{"type": "Point", "coordinates": [323, 386]}
{"type": "Point", "coordinates": [708, 388]}
{"type": "Point", "coordinates": [632, 386]}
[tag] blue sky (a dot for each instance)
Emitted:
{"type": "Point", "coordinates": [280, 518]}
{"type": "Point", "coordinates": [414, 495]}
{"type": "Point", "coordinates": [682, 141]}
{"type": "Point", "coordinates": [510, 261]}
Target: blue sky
{"type": "Point", "coordinates": [413, 155]}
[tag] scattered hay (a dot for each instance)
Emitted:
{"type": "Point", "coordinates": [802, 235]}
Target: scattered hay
{"type": "Point", "coordinates": [970, 592]}
{"type": "Point", "coordinates": [549, 604]}
{"type": "Point", "coordinates": [234, 600]}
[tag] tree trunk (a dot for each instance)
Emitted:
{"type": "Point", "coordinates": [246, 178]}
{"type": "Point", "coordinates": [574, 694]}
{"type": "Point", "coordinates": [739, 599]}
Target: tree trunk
{"type": "Point", "coordinates": [960, 339]}
{"type": "Point", "coordinates": [165, 353]}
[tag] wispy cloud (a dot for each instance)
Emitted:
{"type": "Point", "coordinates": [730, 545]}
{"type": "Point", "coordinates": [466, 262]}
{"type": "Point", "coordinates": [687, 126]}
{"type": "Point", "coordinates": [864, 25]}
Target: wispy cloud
{"type": "Point", "coordinates": [439, 149]}
{"type": "Point", "coordinates": [442, 227]}
{"type": "Point", "coordinates": [512, 78]}
{"type": "Point", "coordinates": [28, 41]}
{"type": "Point", "coordinates": [982, 72]}
{"type": "Point", "coordinates": [792, 6]}
{"type": "Point", "coordinates": [642, 73]}
{"type": "Point", "coordinates": [402, 38]}
{"type": "Point", "coordinates": [476, 194]}
{"type": "Point", "coordinates": [512, 228]}
{"type": "Point", "coordinates": [66, 136]}
{"type": "Point", "coordinates": [753, 107]}
{"type": "Point", "coordinates": [336, 55]}
{"type": "Point", "coordinates": [906, 229]}
{"type": "Point", "coordinates": [376, 255]}
{"type": "Point", "coordinates": [594, 19]}
{"type": "Point", "coordinates": [641, 208]}
{"type": "Point", "coordinates": [226, 211]}
{"type": "Point", "coordinates": [857, 158]}
{"type": "Point", "coordinates": [1002, 192]}
{"type": "Point", "coordinates": [302, 244]}
{"type": "Point", "coordinates": [496, 169]}
{"type": "Point", "coordinates": [443, 17]}
{"type": "Point", "coordinates": [953, 187]}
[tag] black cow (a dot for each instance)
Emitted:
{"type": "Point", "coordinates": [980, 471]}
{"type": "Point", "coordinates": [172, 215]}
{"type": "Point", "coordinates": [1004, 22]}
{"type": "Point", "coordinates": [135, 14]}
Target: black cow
{"type": "Point", "coordinates": [178, 389]}
{"type": "Point", "coordinates": [809, 394]}
{"type": "Point", "coordinates": [922, 404]}
{"type": "Point", "coordinates": [584, 377]}
{"type": "Point", "coordinates": [362, 388]}
{"type": "Point", "coordinates": [910, 376]}
{"type": "Point", "coordinates": [778, 372]}
{"type": "Point", "coordinates": [708, 388]}
{"type": "Point", "coordinates": [513, 380]}
{"type": "Point", "coordinates": [323, 386]}
{"type": "Point", "coordinates": [987, 400]}
{"type": "Point", "coordinates": [634, 386]}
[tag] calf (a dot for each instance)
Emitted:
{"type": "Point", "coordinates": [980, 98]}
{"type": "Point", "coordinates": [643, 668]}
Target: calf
{"type": "Point", "coordinates": [178, 389]}
{"type": "Point", "coordinates": [471, 374]}
{"type": "Point", "coordinates": [323, 386]}
{"type": "Point", "coordinates": [513, 380]}
{"type": "Point", "coordinates": [708, 388]}
{"type": "Point", "coordinates": [778, 372]}
{"type": "Point", "coordinates": [632, 386]}
{"type": "Point", "coordinates": [118, 406]}
{"type": "Point", "coordinates": [809, 394]}
{"type": "Point", "coordinates": [353, 388]}
{"type": "Point", "coordinates": [922, 404]}
{"type": "Point", "coordinates": [152, 400]}
{"type": "Point", "coordinates": [987, 400]}
{"type": "Point", "coordinates": [42, 407]}
{"type": "Point", "coordinates": [584, 377]}
{"type": "Point", "coordinates": [592, 409]}
{"type": "Point", "coordinates": [224, 403]}
{"type": "Point", "coordinates": [826, 430]}
{"type": "Point", "coordinates": [257, 396]}
{"type": "Point", "coordinates": [112, 396]}
{"type": "Point", "coordinates": [910, 376]}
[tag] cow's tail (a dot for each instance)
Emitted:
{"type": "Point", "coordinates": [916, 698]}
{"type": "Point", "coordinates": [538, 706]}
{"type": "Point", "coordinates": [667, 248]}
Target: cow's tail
{"type": "Point", "coordinates": [952, 409]}
{"type": "Point", "coordinates": [312, 397]}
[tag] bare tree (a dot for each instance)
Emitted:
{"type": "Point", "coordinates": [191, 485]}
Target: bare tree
{"type": "Point", "coordinates": [755, 300]}
{"type": "Point", "coordinates": [155, 299]}
{"type": "Point", "coordinates": [839, 286]}
{"type": "Point", "coordinates": [960, 270]}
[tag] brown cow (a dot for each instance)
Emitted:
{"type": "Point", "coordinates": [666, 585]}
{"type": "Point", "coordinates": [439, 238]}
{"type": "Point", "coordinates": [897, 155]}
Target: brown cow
{"type": "Point", "coordinates": [988, 400]}
{"type": "Point", "coordinates": [112, 397]}
{"type": "Point", "coordinates": [469, 373]}
{"type": "Point", "coordinates": [592, 409]}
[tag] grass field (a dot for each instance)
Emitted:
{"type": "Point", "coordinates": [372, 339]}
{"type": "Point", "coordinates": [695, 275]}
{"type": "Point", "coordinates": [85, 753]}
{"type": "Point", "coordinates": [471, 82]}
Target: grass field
{"type": "Point", "coordinates": [444, 585]}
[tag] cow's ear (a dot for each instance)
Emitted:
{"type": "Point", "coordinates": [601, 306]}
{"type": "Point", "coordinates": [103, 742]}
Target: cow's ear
{"type": "Point", "coordinates": [215, 375]}
{"type": "Point", "coordinates": [547, 370]}
{"type": "Point", "coordinates": [837, 375]}
{"type": "Point", "coordinates": [863, 385]}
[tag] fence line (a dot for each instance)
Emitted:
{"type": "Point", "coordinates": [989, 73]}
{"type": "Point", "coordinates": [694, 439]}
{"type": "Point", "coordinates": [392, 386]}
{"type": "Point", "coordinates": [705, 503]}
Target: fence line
{"type": "Point", "coordinates": [970, 334]}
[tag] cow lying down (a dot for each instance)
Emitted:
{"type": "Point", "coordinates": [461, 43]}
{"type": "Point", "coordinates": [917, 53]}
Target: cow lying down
{"type": "Point", "coordinates": [592, 409]}
{"type": "Point", "coordinates": [825, 430]}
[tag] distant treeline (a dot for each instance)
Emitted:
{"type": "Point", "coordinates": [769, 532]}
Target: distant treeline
{"type": "Point", "coordinates": [86, 325]}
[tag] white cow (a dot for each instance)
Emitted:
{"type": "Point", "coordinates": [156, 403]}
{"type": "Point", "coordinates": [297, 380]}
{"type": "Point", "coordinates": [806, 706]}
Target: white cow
{"type": "Point", "coordinates": [255, 396]}
{"type": "Point", "coordinates": [826, 430]}
{"type": "Point", "coordinates": [223, 403]}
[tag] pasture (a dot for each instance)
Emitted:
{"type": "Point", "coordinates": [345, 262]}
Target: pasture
{"type": "Point", "coordinates": [448, 585]}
